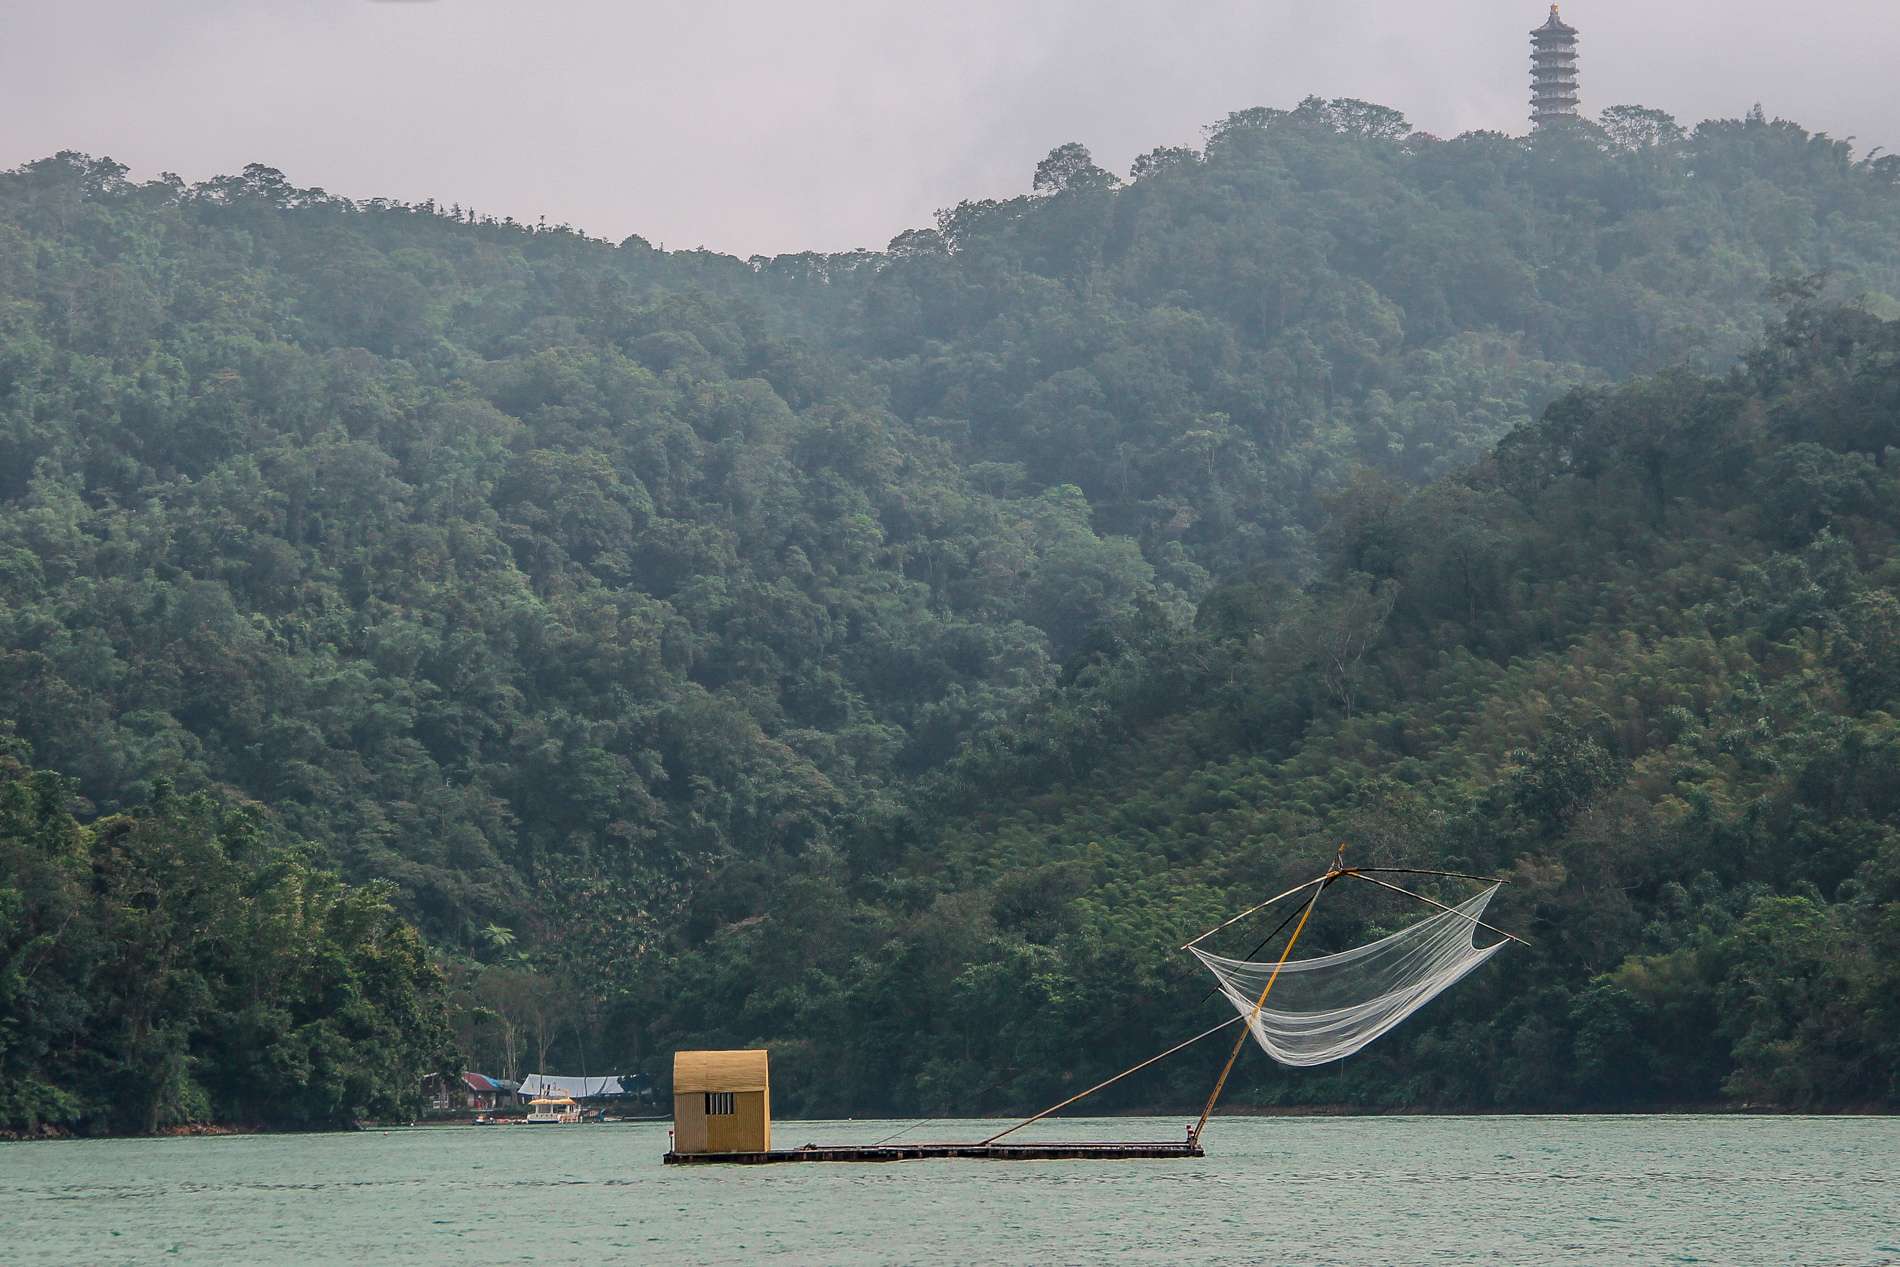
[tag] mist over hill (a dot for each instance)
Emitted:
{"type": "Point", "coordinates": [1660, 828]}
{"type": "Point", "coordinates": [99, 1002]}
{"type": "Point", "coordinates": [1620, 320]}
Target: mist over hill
{"type": "Point", "coordinates": [890, 657]}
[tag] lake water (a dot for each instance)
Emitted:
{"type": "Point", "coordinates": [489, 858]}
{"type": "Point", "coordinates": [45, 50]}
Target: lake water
{"type": "Point", "coordinates": [1729, 1190]}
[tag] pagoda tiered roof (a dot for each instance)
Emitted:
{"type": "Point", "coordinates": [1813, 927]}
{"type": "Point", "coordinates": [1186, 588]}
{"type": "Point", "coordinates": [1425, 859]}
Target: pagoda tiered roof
{"type": "Point", "coordinates": [1553, 71]}
{"type": "Point", "coordinates": [1553, 26]}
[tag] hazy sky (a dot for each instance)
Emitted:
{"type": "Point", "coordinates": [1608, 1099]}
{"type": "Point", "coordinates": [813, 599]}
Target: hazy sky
{"type": "Point", "coordinates": [782, 125]}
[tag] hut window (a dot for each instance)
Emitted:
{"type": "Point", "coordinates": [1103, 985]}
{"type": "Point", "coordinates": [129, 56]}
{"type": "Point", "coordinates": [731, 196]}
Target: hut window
{"type": "Point", "coordinates": [719, 1104]}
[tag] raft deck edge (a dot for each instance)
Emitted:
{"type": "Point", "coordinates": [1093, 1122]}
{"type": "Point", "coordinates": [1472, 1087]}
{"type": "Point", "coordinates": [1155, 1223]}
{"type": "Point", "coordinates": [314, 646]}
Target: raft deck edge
{"type": "Point", "coordinates": [924, 1152]}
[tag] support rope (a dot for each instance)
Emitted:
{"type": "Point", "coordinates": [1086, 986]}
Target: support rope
{"type": "Point", "coordinates": [1109, 1081]}
{"type": "Point", "coordinates": [905, 1131]}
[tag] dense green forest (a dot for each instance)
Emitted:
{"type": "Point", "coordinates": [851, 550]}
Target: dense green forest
{"type": "Point", "coordinates": [1641, 660]}
{"type": "Point", "coordinates": [169, 964]}
{"type": "Point", "coordinates": [892, 656]}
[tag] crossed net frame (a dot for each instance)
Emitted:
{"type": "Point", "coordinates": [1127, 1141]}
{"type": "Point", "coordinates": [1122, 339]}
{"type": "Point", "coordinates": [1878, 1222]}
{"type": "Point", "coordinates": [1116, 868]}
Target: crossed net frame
{"type": "Point", "coordinates": [1331, 1006]}
{"type": "Point", "coordinates": [1325, 1009]}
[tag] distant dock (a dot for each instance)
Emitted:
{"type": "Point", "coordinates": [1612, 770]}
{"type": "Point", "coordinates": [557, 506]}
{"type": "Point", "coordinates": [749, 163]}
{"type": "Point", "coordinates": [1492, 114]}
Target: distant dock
{"type": "Point", "coordinates": [927, 1152]}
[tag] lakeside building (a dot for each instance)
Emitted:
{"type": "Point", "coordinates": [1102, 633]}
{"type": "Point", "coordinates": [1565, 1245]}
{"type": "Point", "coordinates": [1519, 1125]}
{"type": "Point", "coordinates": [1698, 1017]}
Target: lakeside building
{"type": "Point", "coordinates": [475, 1091]}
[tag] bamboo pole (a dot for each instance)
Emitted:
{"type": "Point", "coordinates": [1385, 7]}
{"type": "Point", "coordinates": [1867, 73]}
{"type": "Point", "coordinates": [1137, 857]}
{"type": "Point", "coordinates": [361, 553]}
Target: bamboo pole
{"type": "Point", "coordinates": [1261, 945]}
{"type": "Point", "coordinates": [1318, 879]}
{"type": "Point", "coordinates": [1260, 1002]}
{"type": "Point", "coordinates": [1358, 874]}
{"type": "Point", "coordinates": [1456, 875]}
{"type": "Point", "coordinates": [1055, 1108]}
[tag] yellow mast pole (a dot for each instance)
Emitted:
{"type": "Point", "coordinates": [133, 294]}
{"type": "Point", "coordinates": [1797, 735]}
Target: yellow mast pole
{"type": "Point", "coordinates": [1221, 1082]}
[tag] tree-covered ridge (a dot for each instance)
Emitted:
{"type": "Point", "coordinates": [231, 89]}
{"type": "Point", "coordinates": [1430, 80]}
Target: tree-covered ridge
{"type": "Point", "coordinates": [169, 965]}
{"type": "Point", "coordinates": [606, 600]}
{"type": "Point", "coordinates": [1642, 660]}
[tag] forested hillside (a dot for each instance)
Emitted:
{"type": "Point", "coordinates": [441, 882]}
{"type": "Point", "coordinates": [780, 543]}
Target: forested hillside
{"type": "Point", "coordinates": [1641, 660]}
{"type": "Point", "coordinates": [834, 650]}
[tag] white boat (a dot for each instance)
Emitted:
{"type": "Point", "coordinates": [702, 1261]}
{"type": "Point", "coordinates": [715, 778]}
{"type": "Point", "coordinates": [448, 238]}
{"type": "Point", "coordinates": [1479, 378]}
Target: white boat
{"type": "Point", "coordinates": [553, 1110]}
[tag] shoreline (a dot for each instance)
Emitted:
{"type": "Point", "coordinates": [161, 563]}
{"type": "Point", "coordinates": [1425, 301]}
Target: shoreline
{"type": "Point", "coordinates": [223, 1129]}
{"type": "Point", "coordinates": [184, 1130]}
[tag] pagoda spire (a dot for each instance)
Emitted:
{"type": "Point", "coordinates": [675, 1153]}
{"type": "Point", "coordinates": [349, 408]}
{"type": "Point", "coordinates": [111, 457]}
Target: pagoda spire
{"type": "Point", "coordinates": [1553, 72]}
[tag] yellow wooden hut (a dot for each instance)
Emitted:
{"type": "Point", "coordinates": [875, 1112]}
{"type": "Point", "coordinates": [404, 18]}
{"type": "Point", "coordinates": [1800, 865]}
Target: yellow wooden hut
{"type": "Point", "coordinates": [722, 1102]}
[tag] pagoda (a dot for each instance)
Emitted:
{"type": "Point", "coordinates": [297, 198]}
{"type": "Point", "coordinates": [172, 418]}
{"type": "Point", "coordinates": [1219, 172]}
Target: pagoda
{"type": "Point", "coordinates": [1553, 72]}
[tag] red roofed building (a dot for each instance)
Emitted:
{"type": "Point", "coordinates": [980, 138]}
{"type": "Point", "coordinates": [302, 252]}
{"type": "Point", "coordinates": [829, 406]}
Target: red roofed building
{"type": "Point", "coordinates": [475, 1091]}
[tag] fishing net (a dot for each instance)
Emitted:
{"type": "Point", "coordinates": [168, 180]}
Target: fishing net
{"type": "Point", "coordinates": [1328, 1008]}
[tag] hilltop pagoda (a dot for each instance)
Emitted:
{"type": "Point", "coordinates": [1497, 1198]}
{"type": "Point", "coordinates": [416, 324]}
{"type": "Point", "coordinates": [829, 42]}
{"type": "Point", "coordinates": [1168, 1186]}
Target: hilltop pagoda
{"type": "Point", "coordinates": [1553, 72]}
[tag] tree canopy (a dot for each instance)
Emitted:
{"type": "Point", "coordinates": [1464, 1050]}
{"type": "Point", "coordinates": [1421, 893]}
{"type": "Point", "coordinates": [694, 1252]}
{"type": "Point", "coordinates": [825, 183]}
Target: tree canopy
{"type": "Point", "coordinates": [841, 651]}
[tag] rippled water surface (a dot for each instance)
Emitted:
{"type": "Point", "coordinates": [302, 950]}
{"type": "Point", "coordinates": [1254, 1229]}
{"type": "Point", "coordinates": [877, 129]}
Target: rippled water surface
{"type": "Point", "coordinates": [1312, 1190]}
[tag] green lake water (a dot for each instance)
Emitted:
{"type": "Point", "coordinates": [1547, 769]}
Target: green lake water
{"type": "Point", "coordinates": [1728, 1190]}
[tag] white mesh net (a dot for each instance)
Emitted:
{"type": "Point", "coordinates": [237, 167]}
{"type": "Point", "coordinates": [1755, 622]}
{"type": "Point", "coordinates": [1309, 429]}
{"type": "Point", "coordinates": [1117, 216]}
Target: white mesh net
{"type": "Point", "coordinates": [1328, 1008]}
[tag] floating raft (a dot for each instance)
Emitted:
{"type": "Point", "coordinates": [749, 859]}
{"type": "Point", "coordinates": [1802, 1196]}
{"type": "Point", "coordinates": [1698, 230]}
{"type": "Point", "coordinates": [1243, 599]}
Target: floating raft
{"type": "Point", "coordinates": [926, 1152]}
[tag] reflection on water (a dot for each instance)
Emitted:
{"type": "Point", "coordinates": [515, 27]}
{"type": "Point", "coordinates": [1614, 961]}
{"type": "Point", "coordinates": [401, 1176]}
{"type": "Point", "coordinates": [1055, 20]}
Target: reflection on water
{"type": "Point", "coordinates": [1313, 1190]}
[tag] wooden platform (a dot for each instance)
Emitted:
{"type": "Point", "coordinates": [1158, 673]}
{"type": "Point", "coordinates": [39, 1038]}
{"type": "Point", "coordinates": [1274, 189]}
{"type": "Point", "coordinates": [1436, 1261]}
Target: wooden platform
{"type": "Point", "coordinates": [925, 1152]}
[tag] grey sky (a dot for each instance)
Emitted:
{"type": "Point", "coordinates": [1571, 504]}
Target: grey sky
{"type": "Point", "coordinates": [758, 126]}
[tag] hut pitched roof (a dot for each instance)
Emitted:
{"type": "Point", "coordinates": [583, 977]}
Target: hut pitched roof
{"type": "Point", "coordinates": [719, 1071]}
